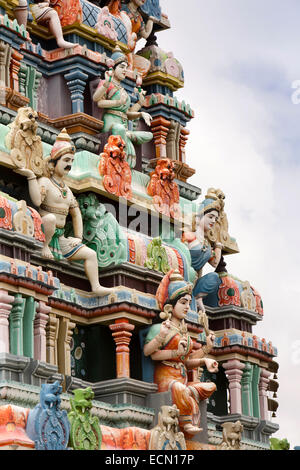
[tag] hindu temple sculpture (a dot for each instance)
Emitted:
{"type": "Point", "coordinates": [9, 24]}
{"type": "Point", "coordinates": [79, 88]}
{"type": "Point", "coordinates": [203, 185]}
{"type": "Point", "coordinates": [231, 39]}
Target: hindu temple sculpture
{"type": "Point", "coordinates": [232, 435]}
{"type": "Point", "coordinates": [111, 96]}
{"type": "Point", "coordinates": [55, 200]}
{"type": "Point", "coordinates": [115, 169]}
{"type": "Point", "coordinates": [45, 15]}
{"type": "Point", "coordinates": [164, 189]}
{"type": "Point", "coordinates": [48, 425]}
{"type": "Point", "coordinates": [201, 250]}
{"type": "Point", "coordinates": [166, 435]}
{"type": "Point", "coordinates": [26, 149]}
{"type": "Point", "coordinates": [171, 348]}
{"type": "Point", "coordinates": [101, 231]}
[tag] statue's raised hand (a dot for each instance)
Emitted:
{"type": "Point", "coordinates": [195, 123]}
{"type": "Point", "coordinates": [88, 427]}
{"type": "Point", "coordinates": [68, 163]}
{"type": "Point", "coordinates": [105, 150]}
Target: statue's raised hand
{"type": "Point", "coordinates": [211, 365]}
{"type": "Point", "coordinates": [25, 172]}
{"type": "Point", "coordinates": [147, 118]}
{"type": "Point", "coordinates": [165, 328]}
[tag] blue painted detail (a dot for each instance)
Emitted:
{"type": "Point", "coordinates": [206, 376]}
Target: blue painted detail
{"type": "Point", "coordinates": [152, 8]}
{"type": "Point", "coordinates": [47, 425]}
{"type": "Point", "coordinates": [167, 442]}
{"type": "Point", "coordinates": [147, 362]}
{"type": "Point", "coordinates": [90, 13]}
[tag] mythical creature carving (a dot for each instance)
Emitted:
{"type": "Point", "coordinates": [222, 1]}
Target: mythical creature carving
{"type": "Point", "coordinates": [164, 189]}
{"type": "Point", "coordinates": [157, 258]}
{"type": "Point", "coordinates": [115, 169]}
{"type": "Point", "coordinates": [85, 433]}
{"type": "Point", "coordinates": [248, 300]}
{"type": "Point", "coordinates": [47, 425]}
{"type": "Point", "coordinates": [166, 435]}
{"type": "Point", "coordinates": [101, 231]}
{"type": "Point", "coordinates": [232, 435]}
{"type": "Point", "coordinates": [26, 150]}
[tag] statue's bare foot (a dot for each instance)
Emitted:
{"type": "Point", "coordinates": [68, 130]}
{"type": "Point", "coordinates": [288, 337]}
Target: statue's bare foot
{"type": "Point", "coordinates": [46, 253]}
{"type": "Point", "coordinates": [65, 44]}
{"type": "Point", "coordinates": [190, 429]}
{"type": "Point", "coordinates": [102, 291]}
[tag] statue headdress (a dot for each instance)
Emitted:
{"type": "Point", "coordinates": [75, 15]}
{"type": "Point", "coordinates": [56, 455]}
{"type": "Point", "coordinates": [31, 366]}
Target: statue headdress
{"type": "Point", "coordinates": [117, 57]}
{"type": "Point", "coordinates": [172, 286]}
{"type": "Point", "coordinates": [62, 146]}
{"type": "Point", "coordinates": [214, 200]}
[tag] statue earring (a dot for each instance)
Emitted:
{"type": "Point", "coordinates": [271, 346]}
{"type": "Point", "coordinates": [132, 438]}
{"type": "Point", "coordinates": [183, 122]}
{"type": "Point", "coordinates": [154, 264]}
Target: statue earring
{"type": "Point", "coordinates": [167, 313]}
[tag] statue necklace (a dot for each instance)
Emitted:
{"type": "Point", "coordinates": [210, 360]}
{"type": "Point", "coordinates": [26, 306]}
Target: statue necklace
{"type": "Point", "coordinates": [61, 186]}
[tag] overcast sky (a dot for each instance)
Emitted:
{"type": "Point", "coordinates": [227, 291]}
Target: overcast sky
{"type": "Point", "coordinates": [241, 59]}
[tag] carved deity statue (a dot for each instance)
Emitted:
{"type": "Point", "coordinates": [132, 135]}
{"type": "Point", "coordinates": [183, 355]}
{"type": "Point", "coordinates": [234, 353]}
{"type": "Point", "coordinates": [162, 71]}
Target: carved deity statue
{"type": "Point", "coordinates": [55, 201]}
{"type": "Point", "coordinates": [201, 250]}
{"type": "Point", "coordinates": [118, 110]}
{"type": "Point", "coordinates": [164, 189]}
{"type": "Point", "coordinates": [171, 348]}
{"type": "Point", "coordinates": [44, 14]}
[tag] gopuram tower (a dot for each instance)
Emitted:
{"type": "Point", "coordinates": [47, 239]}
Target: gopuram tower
{"type": "Point", "coordinates": [106, 316]}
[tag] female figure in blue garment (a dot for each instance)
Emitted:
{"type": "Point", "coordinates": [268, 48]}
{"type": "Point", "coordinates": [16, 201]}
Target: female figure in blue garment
{"type": "Point", "coordinates": [202, 252]}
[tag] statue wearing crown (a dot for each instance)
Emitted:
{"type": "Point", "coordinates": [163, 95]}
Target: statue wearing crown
{"type": "Point", "coordinates": [56, 201]}
{"type": "Point", "coordinates": [171, 348]}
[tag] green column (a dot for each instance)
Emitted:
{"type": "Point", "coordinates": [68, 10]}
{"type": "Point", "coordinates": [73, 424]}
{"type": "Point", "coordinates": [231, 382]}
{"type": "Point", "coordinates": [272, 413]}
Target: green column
{"type": "Point", "coordinates": [29, 315]}
{"type": "Point", "coordinates": [16, 326]}
{"type": "Point", "coordinates": [255, 394]}
{"type": "Point", "coordinates": [246, 383]}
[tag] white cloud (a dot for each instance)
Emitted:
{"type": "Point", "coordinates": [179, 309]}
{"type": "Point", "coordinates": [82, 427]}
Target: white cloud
{"type": "Point", "coordinates": [240, 60]}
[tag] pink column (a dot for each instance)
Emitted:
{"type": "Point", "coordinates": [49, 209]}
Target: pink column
{"type": "Point", "coordinates": [5, 307]}
{"type": "Point", "coordinates": [40, 322]}
{"type": "Point", "coordinates": [234, 373]}
{"type": "Point", "coordinates": [263, 394]}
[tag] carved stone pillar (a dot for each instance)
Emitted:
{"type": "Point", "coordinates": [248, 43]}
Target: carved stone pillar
{"type": "Point", "coordinates": [5, 55]}
{"type": "Point", "coordinates": [15, 64]}
{"type": "Point", "coordinates": [160, 129]}
{"type": "Point", "coordinates": [40, 322]}
{"type": "Point", "coordinates": [184, 133]}
{"type": "Point", "coordinates": [29, 315]}
{"type": "Point", "coordinates": [16, 326]}
{"type": "Point", "coordinates": [51, 340]}
{"type": "Point", "coordinates": [247, 396]}
{"type": "Point", "coordinates": [122, 336]}
{"type": "Point", "coordinates": [76, 81]}
{"type": "Point", "coordinates": [65, 333]}
{"type": "Point", "coordinates": [263, 394]}
{"type": "Point", "coordinates": [6, 301]}
{"type": "Point", "coordinates": [234, 373]}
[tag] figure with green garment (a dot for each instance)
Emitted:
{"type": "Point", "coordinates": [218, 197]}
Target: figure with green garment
{"type": "Point", "coordinates": [55, 201]}
{"type": "Point", "coordinates": [111, 96]}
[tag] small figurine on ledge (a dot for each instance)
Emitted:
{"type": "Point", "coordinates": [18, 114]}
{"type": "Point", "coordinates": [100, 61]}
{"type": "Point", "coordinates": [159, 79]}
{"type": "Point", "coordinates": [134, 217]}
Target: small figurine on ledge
{"type": "Point", "coordinates": [171, 347]}
{"type": "Point", "coordinates": [56, 201]}
{"type": "Point", "coordinates": [45, 15]}
{"type": "Point", "coordinates": [112, 97]}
